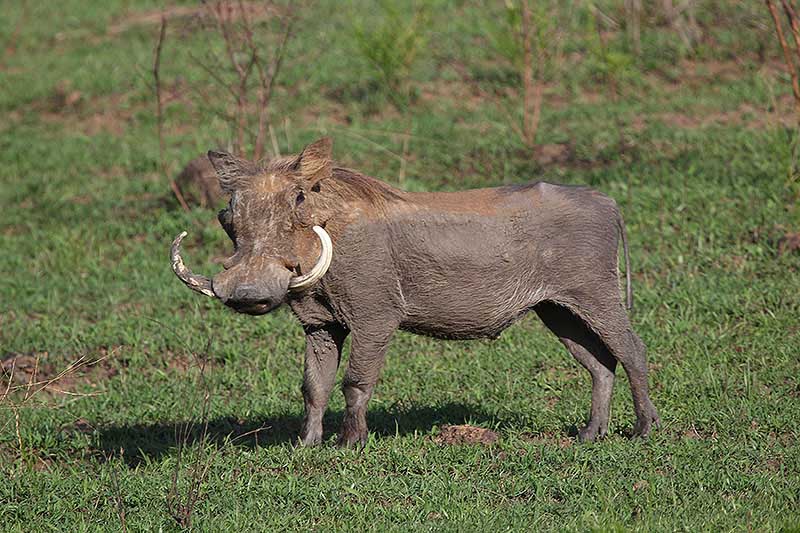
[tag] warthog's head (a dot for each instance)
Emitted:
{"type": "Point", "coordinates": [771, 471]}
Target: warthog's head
{"type": "Point", "coordinates": [276, 219]}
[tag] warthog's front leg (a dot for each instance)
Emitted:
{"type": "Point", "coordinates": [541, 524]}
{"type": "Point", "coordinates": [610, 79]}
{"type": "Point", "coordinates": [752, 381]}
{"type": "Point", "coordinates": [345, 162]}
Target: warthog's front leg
{"type": "Point", "coordinates": [366, 360]}
{"type": "Point", "coordinates": [323, 352]}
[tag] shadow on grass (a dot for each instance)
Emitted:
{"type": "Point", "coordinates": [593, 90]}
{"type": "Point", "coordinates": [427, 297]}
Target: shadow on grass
{"type": "Point", "coordinates": [141, 441]}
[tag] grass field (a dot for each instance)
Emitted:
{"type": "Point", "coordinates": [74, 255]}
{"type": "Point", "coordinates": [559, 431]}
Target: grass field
{"type": "Point", "coordinates": [695, 145]}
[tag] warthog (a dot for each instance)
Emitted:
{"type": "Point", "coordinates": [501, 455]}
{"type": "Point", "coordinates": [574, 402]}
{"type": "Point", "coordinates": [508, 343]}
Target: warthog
{"type": "Point", "coordinates": [352, 255]}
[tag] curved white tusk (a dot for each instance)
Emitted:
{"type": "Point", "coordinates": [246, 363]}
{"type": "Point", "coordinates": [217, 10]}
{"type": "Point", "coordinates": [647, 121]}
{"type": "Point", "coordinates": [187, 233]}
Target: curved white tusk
{"type": "Point", "coordinates": [197, 283]}
{"type": "Point", "coordinates": [301, 283]}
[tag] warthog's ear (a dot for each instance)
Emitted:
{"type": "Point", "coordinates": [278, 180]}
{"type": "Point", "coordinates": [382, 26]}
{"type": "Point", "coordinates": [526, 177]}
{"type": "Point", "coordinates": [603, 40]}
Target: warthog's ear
{"type": "Point", "coordinates": [231, 170]}
{"type": "Point", "coordinates": [314, 163]}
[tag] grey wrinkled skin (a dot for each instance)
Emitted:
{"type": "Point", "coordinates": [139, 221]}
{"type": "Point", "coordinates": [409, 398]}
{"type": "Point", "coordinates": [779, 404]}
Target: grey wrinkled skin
{"type": "Point", "coordinates": [461, 265]}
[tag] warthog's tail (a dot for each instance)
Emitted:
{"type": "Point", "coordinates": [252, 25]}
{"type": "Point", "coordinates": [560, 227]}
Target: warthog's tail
{"type": "Point", "coordinates": [628, 287]}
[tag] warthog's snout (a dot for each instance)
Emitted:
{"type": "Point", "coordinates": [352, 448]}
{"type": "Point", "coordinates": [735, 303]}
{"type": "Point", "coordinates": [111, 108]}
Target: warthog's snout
{"type": "Point", "coordinates": [252, 289]}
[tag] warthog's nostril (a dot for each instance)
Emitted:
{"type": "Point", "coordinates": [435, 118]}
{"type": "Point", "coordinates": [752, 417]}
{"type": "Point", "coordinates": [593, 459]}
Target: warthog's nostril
{"type": "Point", "coordinates": [247, 293]}
{"type": "Point", "coordinates": [292, 264]}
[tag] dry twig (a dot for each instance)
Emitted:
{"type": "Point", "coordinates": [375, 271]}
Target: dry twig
{"type": "Point", "coordinates": [162, 32]}
{"type": "Point", "coordinates": [532, 92]}
{"type": "Point", "coordinates": [244, 56]}
{"type": "Point", "coordinates": [787, 57]}
{"type": "Point", "coordinates": [34, 386]}
{"type": "Point", "coordinates": [182, 508]}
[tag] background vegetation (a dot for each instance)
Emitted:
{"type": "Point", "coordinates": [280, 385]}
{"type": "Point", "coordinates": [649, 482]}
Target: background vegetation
{"type": "Point", "coordinates": [180, 413]}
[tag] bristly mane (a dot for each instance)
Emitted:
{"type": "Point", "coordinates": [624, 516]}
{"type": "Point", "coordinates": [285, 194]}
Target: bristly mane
{"type": "Point", "coordinates": [352, 184]}
{"type": "Point", "coordinates": [347, 183]}
{"type": "Point", "coordinates": [278, 164]}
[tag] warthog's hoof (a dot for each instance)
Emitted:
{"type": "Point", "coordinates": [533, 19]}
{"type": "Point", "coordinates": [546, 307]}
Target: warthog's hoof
{"type": "Point", "coordinates": [352, 439]}
{"type": "Point", "coordinates": [644, 424]}
{"type": "Point", "coordinates": [590, 433]}
{"type": "Point", "coordinates": [311, 439]}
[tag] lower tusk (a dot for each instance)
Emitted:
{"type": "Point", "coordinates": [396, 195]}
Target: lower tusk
{"type": "Point", "coordinates": [300, 283]}
{"type": "Point", "coordinates": [197, 283]}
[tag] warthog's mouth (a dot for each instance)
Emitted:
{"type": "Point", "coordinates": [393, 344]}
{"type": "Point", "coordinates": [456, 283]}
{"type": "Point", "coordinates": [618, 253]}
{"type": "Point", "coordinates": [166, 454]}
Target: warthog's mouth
{"type": "Point", "coordinates": [254, 309]}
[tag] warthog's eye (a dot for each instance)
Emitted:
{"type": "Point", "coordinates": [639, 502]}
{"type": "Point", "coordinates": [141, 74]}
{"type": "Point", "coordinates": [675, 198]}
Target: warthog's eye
{"type": "Point", "coordinates": [300, 198]}
{"type": "Point", "coordinates": [225, 221]}
{"type": "Point", "coordinates": [224, 217]}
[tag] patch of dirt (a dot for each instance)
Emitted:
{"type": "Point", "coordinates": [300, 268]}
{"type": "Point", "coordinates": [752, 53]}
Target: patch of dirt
{"type": "Point", "coordinates": [552, 154]}
{"type": "Point", "coordinates": [34, 372]}
{"type": "Point", "coordinates": [81, 426]}
{"type": "Point", "coordinates": [64, 98]}
{"type": "Point", "coordinates": [465, 434]}
{"type": "Point", "coordinates": [180, 362]}
{"type": "Point", "coordinates": [777, 238]}
{"type": "Point", "coordinates": [788, 243]}
{"type": "Point", "coordinates": [108, 114]}
{"type": "Point", "coordinates": [702, 72]}
{"type": "Point", "coordinates": [198, 13]}
{"type": "Point", "coordinates": [183, 363]}
{"type": "Point", "coordinates": [775, 464]}
{"type": "Point", "coordinates": [468, 95]}
{"type": "Point", "coordinates": [693, 433]}
{"type": "Point", "coordinates": [592, 97]}
{"type": "Point", "coordinates": [691, 74]}
{"type": "Point", "coordinates": [747, 115]}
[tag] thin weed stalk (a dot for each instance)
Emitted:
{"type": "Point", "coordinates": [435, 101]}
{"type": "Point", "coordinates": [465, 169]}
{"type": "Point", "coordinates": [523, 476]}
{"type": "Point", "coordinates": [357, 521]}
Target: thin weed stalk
{"type": "Point", "coordinates": [247, 59]}
{"type": "Point", "coordinates": [182, 506]}
{"type": "Point", "coordinates": [162, 165]}
{"type": "Point", "coordinates": [787, 55]}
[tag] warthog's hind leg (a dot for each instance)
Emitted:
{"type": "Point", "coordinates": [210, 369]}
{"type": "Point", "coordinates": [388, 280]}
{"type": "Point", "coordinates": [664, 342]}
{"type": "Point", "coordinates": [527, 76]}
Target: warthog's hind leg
{"type": "Point", "coordinates": [633, 358]}
{"type": "Point", "coordinates": [590, 352]}
{"type": "Point", "coordinates": [607, 317]}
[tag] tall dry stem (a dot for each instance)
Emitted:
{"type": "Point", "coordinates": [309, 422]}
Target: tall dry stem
{"type": "Point", "coordinates": [633, 10]}
{"type": "Point", "coordinates": [787, 55]}
{"type": "Point", "coordinates": [247, 58]}
{"type": "Point", "coordinates": [162, 164]}
{"type": "Point", "coordinates": [10, 397]}
{"type": "Point", "coordinates": [532, 89]}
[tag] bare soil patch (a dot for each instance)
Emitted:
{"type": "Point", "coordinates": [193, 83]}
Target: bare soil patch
{"type": "Point", "coordinates": [777, 238]}
{"type": "Point", "coordinates": [184, 363]}
{"type": "Point", "coordinates": [190, 14]}
{"type": "Point", "coordinates": [468, 95]}
{"type": "Point", "coordinates": [747, 115]}
{"type": "Point", "coordinates": [692, 433]}
{"type": "Point", "coordinates": [107, 114]}
{"type": "Point", "coordinates": [465, 434]}
{"type": "Point", "coordinates": [790, 242]}
{"type": "Point", "coordinates": [36, 372]}
{"type": "Point", "coordinates": [553, 154]}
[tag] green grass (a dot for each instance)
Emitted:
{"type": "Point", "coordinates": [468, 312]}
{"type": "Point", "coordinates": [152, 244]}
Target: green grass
{"type": "Point", "coordinates": [86, 221]}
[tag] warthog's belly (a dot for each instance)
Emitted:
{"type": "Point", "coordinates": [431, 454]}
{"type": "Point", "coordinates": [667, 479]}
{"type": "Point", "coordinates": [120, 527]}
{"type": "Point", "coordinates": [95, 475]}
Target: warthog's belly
{"type": "Point", "coordinates": [466, 277]}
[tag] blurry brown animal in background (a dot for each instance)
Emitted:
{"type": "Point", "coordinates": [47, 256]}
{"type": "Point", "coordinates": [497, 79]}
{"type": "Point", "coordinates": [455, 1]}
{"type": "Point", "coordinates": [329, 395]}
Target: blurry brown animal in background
{"type": "Point", "coordinates": [199, 185]}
